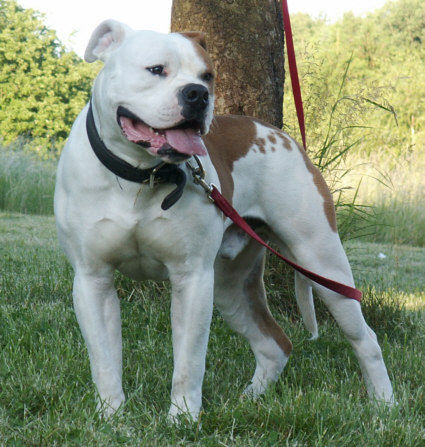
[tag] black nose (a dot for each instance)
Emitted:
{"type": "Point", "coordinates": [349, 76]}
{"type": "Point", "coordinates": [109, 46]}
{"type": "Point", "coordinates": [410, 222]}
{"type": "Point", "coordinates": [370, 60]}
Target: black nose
{"type": "Point", "coordinates": [196, 96]}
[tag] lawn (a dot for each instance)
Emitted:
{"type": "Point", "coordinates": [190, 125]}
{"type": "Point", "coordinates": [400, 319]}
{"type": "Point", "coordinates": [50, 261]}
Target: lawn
{"type": "Point", "coordinates": [47, 398]}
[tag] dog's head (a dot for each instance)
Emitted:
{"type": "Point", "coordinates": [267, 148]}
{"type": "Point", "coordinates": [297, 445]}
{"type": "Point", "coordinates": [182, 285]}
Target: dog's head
{"type": "Point", "coordinates": [156, 89]}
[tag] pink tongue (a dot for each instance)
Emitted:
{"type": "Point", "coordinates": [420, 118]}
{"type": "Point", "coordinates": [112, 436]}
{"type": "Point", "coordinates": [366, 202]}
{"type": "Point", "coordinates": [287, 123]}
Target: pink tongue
{"type": "Point", "coordinates": [186, 141]}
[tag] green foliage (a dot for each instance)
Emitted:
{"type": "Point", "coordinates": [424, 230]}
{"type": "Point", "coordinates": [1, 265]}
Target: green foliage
{"type": "Point", "coordinates": [386, 50]}
{"type": "Point", "coordinates": [42, 86]}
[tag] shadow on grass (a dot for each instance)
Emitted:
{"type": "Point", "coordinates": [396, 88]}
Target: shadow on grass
{"type": "Point", "coordinates": [386, 313]}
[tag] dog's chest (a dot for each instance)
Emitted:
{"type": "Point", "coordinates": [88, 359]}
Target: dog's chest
{"type": "Point", "coordinates": [136, 247]}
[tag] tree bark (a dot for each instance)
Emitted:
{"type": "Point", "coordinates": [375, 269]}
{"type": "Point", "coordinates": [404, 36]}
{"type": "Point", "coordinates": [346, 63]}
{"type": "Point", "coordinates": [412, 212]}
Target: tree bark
{"type": "Point", "coordinates": [246, 42]}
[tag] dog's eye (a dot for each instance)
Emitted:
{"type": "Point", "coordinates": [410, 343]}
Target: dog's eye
{"type": "Point", "coordinates": [207, 77]}
{"type": "Point", "coordinates": [156, 69]}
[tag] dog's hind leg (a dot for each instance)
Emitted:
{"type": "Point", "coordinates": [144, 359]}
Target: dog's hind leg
{"type": "Point", "coordinates": [97, 308]}
{"type": "Point", "coordinates": [304, 296]}
{"type": "Point", "coordinates": [239, 295]}
{"type": "Point", "coordinates": [348, 314]}
{"type": "Point", "coordinates": [322, 253]}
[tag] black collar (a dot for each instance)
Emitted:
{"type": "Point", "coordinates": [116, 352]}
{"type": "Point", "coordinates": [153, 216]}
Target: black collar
{"type": "Point", "coordinates": [164, 173]}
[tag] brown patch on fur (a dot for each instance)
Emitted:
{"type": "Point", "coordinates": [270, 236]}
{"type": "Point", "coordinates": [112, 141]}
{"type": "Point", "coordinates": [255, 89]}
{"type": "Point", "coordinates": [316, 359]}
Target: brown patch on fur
{"type": "Point", "coordinates": [198, 40]}
{"type": "Point", "coordinates": [254, 289]}
{"type": "Point", "coordinates": [272, 138]}
{"type": "Point", "coordinates": [322, 187]}
{"type": "Point", "coordinates": [261, 143]}
{"type": "Point", "coordinates": [229, 139]}
{"type": "Point", "coordinates": [196, 36]}
{"type": "Point", "coordinates": [286, 141]}
{"type": "Point", "coordinates": [276, 133]}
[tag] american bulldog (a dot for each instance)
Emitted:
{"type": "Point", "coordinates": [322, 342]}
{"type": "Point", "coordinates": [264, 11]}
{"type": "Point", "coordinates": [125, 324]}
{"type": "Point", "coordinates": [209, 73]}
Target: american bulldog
{"type": "Point", "coordinates": [151, 111]}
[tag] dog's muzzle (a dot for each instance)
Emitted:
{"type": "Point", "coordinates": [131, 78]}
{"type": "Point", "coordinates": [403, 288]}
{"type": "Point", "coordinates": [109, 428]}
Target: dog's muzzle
{"type": "Point", "coordinates": [194, 99]}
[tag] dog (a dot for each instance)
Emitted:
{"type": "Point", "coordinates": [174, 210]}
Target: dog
{"type": "Point", "coordinates": [152, 109]}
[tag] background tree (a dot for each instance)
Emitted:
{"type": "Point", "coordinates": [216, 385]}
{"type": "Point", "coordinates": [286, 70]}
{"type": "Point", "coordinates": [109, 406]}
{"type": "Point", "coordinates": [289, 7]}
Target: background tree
{"type": "Point", "coordinates": [245, 40]}
{"type": "Point", "coordinates": [42, 86]}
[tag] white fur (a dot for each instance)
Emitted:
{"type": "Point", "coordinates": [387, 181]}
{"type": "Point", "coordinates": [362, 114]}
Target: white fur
{"type": "Point", "coordinates": [105, 223]}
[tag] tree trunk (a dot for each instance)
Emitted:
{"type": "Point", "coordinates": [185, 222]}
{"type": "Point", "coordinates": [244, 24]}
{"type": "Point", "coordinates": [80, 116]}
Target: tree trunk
{"type": "Point", "coordinates": [245, 40]}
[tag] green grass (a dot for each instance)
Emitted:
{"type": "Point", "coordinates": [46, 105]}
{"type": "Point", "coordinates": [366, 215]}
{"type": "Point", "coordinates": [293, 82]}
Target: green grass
{"type": "Point", "coordinates": [47, 398]}
{"type": "Point", "coordinates": [393, 189]}
{"type": "Point", "coordinates": [26, 182]}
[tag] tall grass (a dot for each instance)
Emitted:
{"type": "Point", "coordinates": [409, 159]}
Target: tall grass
{"type": "Point", "coordinates": [378, 188]}
{"type": "Point", "coordinates": [393, 189]}
{"type": "Point", "coordinates": [26, 182]}
{"type": "Point", "coordinates": [379, 198]}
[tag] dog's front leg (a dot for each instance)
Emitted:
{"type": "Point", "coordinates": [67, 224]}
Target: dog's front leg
{"type": "Point", "coordinates": [97, 308]}
{"type": "Point", "coordinates": [191, 311]}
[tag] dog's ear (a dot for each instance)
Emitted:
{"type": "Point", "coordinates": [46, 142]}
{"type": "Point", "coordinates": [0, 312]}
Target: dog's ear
{"type": "Point", "coordinates": [196, 36]}
{"type": "Point", "coordinates": [108, 36]}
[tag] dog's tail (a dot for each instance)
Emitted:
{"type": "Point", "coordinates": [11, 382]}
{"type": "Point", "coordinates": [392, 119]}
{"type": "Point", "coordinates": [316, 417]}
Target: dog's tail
{"type": "Point", "coordinates": [304, 296]}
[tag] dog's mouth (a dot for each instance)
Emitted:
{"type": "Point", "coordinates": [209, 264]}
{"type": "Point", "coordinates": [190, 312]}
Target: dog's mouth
{"type": "Point", "coordinates": [174, 143]}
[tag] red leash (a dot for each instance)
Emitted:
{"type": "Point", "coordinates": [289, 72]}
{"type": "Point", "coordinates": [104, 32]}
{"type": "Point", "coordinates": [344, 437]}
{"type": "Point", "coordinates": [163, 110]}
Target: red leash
{"type": "Point", "coordinates": [227, 209]}
{"type": "Point", "coordinates": [231, 213]}
{"type": "Point", "coordinates": [292, 62]}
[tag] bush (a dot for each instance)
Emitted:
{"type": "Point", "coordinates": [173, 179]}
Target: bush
{"type": "Point", "coordinates": [42, 86]}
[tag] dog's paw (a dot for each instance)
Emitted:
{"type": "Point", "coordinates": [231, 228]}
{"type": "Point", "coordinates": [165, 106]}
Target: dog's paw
{"type": "Point", "coordinates": [314, 336]}
{"type": "Point", "coordinates": [384, 401]}
{"type": "Point", "coordinates": [182, 415]}
{"type": "Point", "coordinates": [108, 407]}
{"type": "Point", "coordinates": [253, 391]}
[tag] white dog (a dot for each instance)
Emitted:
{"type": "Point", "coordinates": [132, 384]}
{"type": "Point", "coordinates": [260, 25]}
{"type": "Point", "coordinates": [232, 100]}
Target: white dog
{"type": "Point", "coordinates": [151, 103]}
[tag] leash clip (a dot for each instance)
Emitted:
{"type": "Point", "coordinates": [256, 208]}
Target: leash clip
{"type": "Point", "coordinates": [153, 173]}
{"type": "Point", "coordinates": [198, 174]}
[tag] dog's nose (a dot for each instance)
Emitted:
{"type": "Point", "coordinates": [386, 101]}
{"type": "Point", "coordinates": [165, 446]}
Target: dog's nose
{"type": "Point", "coordinates": [196, 96]}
